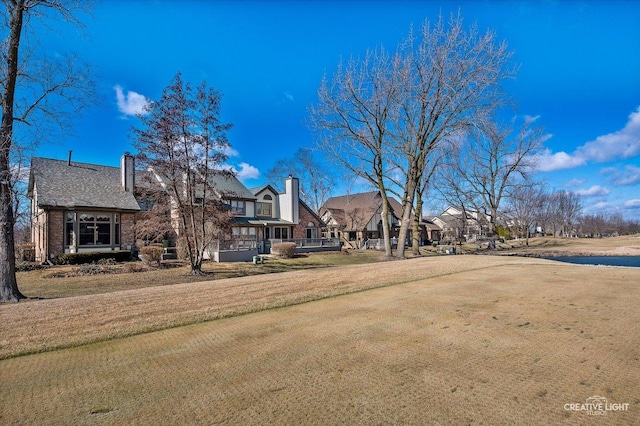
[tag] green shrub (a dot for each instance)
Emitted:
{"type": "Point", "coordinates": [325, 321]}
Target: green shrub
{"type": "Point", "coordinates": [152, 254]}
{"type": "Point", "coordinates": [91, 257]}
{"type": "Point", "coordinates": [284, 250]}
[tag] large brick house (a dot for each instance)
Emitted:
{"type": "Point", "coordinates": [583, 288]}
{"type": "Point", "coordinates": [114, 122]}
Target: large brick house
{"type": "Point", "coordinates": [357, 218]}
{"type": "Point", "coordinates": [87, 207]}
{"type": "Point", "coordinates": [81, 207]}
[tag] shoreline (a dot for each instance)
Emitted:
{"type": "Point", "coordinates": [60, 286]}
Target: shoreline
{"type": "Point", "coordinates": [552, 254]}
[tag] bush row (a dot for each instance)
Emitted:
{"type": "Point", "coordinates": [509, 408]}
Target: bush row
{"type": "Point", "coordinates": [90, 257]}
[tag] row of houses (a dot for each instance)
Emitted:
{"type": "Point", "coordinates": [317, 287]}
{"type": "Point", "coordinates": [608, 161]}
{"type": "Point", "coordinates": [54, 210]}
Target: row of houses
{"type": "Point", "coordinates": [79, 207]}
{"type": "Point", "coordinates": [356, 219]}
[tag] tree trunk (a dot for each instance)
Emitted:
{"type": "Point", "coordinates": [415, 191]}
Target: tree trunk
{"type": "Point", "coordinates": [416, 227]}
{"type": "Point", "coordinates": [8, 283]}
{"type": "Point", "coordinates": [386, 234]}
{"type": "Point", "coordinates": [407, 208]}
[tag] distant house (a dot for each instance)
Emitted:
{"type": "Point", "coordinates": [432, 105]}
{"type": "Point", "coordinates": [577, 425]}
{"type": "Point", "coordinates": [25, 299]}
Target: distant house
{"type": "Point", "coordinates": [87, 207]}
{"type": "Point", "coordinates": [430, 231]}
{"type": "Point", "coordinates": [81, 207]}
{"type": "Point", "coordinates": [283, 217]}
{"type": "Point", "coordinates": [457, 223]}
{"type": "Point", "coordinates": [357, 218]}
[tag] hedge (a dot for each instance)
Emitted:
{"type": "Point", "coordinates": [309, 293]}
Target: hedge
{"type": "Point", "coordinates": [152, 254]}
{"type": "Point", "coordinates": [285, 250]}
{"type": "Point", "coordinates": [91, 256]}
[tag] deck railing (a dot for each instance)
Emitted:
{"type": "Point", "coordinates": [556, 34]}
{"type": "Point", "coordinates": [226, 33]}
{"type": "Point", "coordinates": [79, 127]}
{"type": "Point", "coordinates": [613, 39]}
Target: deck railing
{"type": "Point", "coordinates": [308, 242]}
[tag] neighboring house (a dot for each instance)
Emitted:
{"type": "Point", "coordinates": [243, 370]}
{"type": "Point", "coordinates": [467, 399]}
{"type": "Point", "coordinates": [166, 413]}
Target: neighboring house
{"type": "Point", "coordinates": [430, 230]}
{"type": "Point", "coordinates": [357, 218]}
{"type": "Point", "coordinates": [87, 207]}
{"type": "Point", "coordinates": [285, 217]}
{"type": "Point", "coordinates": [81, 207]}
{"type": "Point", "coordinates": [457, 224]}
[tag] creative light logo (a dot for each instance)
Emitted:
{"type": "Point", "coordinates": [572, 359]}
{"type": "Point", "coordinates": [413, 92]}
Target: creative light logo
{"type": "Point", "coordinates": [596, 406]}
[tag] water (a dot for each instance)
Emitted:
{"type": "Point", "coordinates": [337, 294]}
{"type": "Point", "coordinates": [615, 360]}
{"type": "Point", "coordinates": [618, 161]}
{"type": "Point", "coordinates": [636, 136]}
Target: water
{"type": "Point", "coordinates": [633, 261]}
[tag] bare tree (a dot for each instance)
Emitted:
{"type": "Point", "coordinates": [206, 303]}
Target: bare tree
{"type": "Point", "coordinates": [565, 208]}
{"type": "Point", "coordinates": [525, 210]}
{"type": "Point", "coordinates": [352, 117]}
{"type": "Point", "coordinates": [383, 115]}
{"type": "Point", "coordinates": [154, 222]}
{"type": "Point", "coordinates": [592, 225]}
{"type": "Point", "coordinates": [316, 180]}
{"type": "Point", "coordinates": [182, 143]}
{"type": "Point", "coordinates": [492, 163]}
{"type": "Point", "coordinates": [36, 92]}
{"type": "Point", "coordinates": [432, 164]}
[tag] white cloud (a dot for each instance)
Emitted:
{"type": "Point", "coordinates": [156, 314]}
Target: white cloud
{"type": "Point", "coordinates": [574, 183]}
{"type": "Point", "coordinates": [230, 152]}
{"type": "Point", "coordinates": [288, 96]}
{"type": "Point", "coordinates": [547, 162]}
{"type": "Point", "coordinates": [131, 103]}
{"type": "Point", "coordinates": [624, 143]}
{"type": "Point", "coordinates": [595, 190]}
{"type": "Point", "coordinates": [632, 204]}
{"type": "Point", "coordinates": [621, 144]}
{"type": "Point", "coordinates": [630, 175]}
{"type": "Point", "coordinates": [247, 171]}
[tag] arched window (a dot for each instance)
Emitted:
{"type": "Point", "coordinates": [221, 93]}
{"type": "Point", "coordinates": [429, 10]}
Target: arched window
{"type": "Point", "coordinates": [267, 197]}
{"type": "Point", "coordinates": [312, 231]}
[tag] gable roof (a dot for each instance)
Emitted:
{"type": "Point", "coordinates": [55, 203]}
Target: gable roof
{"type": "Point", "coordinates": [364, 201]}
{"type": "Point", "coordinates": [229, 184]}
{"type": "Point", "coordinates": [354, 211]}
{"type": "Point", "coordinates": [223, 184]}
{"type": "Point", "coordinates": [259, 189]}
{"type": "Point", "coordinates": [70, 185]}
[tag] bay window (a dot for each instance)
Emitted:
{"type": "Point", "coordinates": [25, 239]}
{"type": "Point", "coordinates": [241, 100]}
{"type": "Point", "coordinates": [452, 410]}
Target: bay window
{"type": "Point", "coordinates": [92, 229]}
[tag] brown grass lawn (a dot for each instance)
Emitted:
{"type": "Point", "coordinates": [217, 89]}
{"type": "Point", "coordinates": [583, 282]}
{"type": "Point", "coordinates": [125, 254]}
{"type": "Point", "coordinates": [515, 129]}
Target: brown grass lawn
{"type": "Point", "coordinates": [433, 340]}
{"type": "Point", "coordinates": [41, 284]}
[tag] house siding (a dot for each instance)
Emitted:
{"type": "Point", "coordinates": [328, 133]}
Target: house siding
{"type": "Point", "coordinates": [306, 217]}
{"type": "Point", "coordinates": [128, 230]}
{"type": "Point", "coordinates": [55, 232]}
{"type": "Point", "coordinates": [39, 232]}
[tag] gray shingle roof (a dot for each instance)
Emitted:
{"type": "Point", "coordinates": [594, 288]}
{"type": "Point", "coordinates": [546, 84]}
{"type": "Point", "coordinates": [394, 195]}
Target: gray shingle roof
{"type": "Point", "coordinates": [59, 184]}
{"type": "Point", "coordinates": [354, 211]}
{"type": "Point", "coordinates": [365, 201]}
{"type": "Point", "coordinates": [231, 185]}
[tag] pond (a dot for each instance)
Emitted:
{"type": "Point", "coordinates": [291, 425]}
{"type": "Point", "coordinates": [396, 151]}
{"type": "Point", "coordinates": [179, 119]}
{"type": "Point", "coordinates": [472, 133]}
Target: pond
{"type": "Point", "coordinates": [633, 261]}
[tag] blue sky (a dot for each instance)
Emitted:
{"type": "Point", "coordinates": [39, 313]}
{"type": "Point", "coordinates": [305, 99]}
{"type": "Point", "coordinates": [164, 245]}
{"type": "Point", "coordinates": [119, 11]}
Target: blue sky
{"type": "Point", "coordinates": [579, 72]}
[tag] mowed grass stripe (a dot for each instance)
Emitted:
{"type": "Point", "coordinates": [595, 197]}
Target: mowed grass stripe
{"type": "Point", "coordinates": [510, 344]}
{"type": "Point", "coordinates": [60, 323]}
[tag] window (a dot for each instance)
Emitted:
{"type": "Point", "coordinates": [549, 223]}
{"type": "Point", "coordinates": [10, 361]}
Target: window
{"type": "Point", "coordinates": [68, 228]}
{"type": "Point", "coordinates": [243, 232]}
{"type": "Point", "coordinates": [116, 229]}
{"type": "Point", "coordinates": [263, 209]}
{"type": "Point", "coordinates": [94, 229]}
{"type": "Point", "coordinates": [312, 231]}
{"type": "Point", "coordinates": [237, 207]}
{"type": "Point", "coordinates": [281, 233]}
